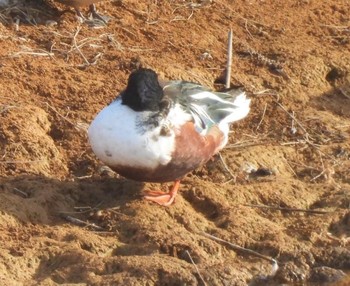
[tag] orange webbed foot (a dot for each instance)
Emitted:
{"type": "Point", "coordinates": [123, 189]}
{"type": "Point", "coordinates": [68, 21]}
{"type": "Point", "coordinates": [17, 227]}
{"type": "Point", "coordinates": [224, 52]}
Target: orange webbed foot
{"type": "Point", "coordinates": [163, 198]}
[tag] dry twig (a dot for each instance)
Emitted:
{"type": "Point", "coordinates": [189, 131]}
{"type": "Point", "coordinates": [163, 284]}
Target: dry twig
{"type": "Point", "coordinates": [233, 177]}
{"type": "Point", "coordinates": [31, 52]}
{"type": "Point", "coordinates": [195, 266]}
{"type": "Point", "coordinates": [59, 114]}
{"type": "Point", "coordinates": [249, 143]}
{"type": "Point", "coordinates": [262, 118]}
{"type": "Point", "coordinates": [293, 117]}
{"type": "Point", "coordinates": [78, 49]}
{"type": "Point", "coordinates": [22, 161]}
{"type": "Point", "coordinates": [308, 139]}
{"type": "Point", "coordinates": [80, 222]}
{"type": "Point", "coordinates": [290, 167]}
{"type": "Point", "coordinates": [229, 60]}
{"type": "Point", "coordinates": [286, 209]}
{"type": "Point", "coordinates": [23, 194]}
{"type": "Point", "coordinates": [81, 210]}
{"type": "Point", "coordinates": [80, 126]}
{"type": "Point", "coordinates": [245, 250]}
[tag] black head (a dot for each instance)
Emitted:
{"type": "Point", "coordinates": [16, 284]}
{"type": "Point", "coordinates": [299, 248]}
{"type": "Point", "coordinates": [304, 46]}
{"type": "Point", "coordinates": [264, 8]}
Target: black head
{"type": "Point", "coordinates": [143, 91]}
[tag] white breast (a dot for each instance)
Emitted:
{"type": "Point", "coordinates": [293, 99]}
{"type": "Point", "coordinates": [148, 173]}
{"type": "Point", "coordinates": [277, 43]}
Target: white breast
{"type": "Point", "coordinates": [116, 139]}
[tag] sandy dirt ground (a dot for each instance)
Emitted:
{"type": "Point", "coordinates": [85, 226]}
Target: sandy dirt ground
{"type": "Point", "coordinates": [285, 189]}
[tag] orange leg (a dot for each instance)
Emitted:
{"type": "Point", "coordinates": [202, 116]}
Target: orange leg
{"type": "Point", "coordinates": [163, 198]}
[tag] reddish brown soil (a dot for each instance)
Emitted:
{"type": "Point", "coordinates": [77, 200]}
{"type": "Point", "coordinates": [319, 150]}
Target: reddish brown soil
{"type": "Point", "coordinates": [287, 54]}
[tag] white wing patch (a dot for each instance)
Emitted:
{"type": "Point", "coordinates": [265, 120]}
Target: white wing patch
{"type": "Point", "coordinates": [207, 94]}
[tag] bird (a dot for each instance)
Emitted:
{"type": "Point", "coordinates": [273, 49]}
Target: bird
{"type": "Point", "coordinates": [158, 131]}
{"type": "Point", "coordinates": [77, 4]}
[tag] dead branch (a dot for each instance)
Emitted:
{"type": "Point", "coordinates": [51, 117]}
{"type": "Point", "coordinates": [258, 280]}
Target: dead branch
{"type": "Point", "coordinates": [80, 222]}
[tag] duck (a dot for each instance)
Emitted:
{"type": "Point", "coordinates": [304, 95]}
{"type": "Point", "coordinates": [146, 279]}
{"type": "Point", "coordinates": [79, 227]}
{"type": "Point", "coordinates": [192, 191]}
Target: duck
{"type": "Point", "coordinates": [158, 131]}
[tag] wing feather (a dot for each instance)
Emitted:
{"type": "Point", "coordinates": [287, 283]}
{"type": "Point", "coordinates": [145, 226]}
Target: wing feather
{"type": "Point", "coordinates": [208, 108]}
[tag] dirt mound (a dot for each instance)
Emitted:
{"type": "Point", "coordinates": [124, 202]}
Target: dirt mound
{"type": "Point", "coordinates": [26, 142]}
{"type": "Point", "coordinates": [281, 188]}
